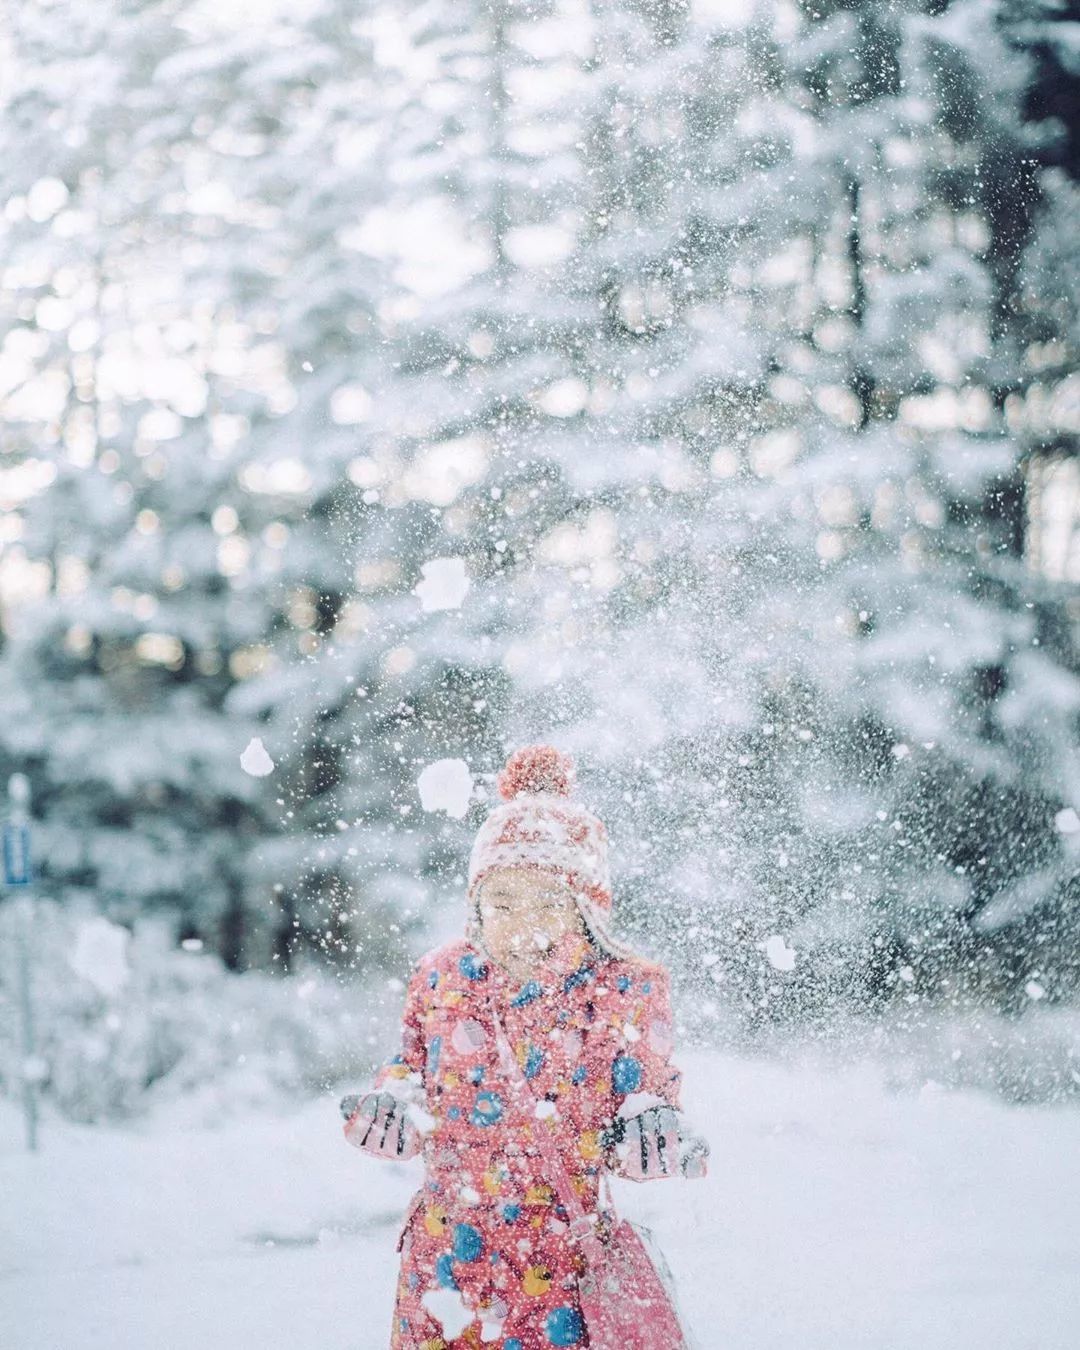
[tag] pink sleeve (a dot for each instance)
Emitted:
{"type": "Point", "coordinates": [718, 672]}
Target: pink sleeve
{"type": "Point", "coordinates": [643, 1064]}
{"type": "Point", "coordinates": [407, 1066]}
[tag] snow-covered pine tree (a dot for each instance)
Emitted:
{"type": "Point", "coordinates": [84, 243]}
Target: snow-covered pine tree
{"type": "Point", "coordinates": [534, 411]}
{"type": "Point", "coordinates": [900, 798]}
{"type": "Point", "coordinates": [150, 363]}
{"type": "Point", "coordinates": [99, 384]}
{"type": "Point", "coordinates": [472, 332]}
{"type": "Point", "coordinates": [846, 730]}
{"type": "Point", "coordinates": [623, 638]}
{"type": "Point", "coordinates": [946, 709]}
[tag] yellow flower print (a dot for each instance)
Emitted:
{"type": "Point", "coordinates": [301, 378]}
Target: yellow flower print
{"type": "Point", "coordinates": [435, 1220]}
{"type": "Point", "coordinates": [536, 1280]}
{"type": "Point", "coordinates": [539, 1195]}
{"type": "Point", "coordinates": [589, 1145]}
{"type": "Point", "coordinates": [578, 953]}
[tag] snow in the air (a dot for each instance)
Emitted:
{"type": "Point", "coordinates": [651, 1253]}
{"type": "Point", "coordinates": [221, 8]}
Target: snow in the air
{"type": "Point", "coordinates": [781, 956]}
{"type": "Point", "coordinates": [449, 1310]}
{"type": "Point", "coordinates": [100, 955]}
{"type": "Point", "coordinates": [690, 384]}
{"type": "Point", "coordinates": [255, 759]}
{"type": "Point", "coordinates": [446, 785]}
{"type": "Point", "coordinates": [444, 585]}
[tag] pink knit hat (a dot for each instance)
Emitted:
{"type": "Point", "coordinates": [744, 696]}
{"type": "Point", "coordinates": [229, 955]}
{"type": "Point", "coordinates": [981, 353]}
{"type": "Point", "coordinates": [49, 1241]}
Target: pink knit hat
{"type": "Point", "coordinates": [540, 825]}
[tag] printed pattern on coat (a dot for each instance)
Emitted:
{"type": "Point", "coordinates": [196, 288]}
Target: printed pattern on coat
{"type": "Point", "coordinates": [485, 1257]}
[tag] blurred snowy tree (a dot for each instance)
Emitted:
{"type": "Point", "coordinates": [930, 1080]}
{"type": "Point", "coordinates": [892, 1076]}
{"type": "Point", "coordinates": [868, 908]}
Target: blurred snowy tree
{"type": "Point", "coordinates": [478, 214]}
{"type": "Point", "coordinates": [684, 385]}
{"type": "Point", "coordinates": [903, 792]}
{"type": "Point", "coordinates": [796, 627]}
{"type": "Point", "coordinates": [149, 366]}
{"type": "Point", "coordinates": [1047, 31]}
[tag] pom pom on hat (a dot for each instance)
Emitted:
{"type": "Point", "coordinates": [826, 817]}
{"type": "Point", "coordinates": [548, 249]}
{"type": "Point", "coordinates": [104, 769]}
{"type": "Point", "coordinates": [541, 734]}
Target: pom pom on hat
{"type": "Point", "coordinates": [540, 823]}
{"type": "Point", "coordinates": [537, 768]}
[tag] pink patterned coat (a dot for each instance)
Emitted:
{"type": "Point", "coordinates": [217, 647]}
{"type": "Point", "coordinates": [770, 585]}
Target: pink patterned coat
{"type": "Point", "coordinates": [484, 1256]}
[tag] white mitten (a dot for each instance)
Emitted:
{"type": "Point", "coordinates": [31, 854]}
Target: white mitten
{"type": "Point", "coordinates": [378, 1123]}
{"type": "Point", "coordinates": [655, 1142]}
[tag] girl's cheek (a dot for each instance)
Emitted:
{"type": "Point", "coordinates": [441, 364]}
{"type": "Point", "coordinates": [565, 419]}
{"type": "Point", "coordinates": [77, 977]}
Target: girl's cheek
{"type": "Point", "coordinates": [493, 928]}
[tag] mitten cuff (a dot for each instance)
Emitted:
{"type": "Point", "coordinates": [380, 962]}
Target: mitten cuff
{"type": "Point", "coordinates": [636, 1102]}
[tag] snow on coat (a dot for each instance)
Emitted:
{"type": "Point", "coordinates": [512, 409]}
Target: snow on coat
{"type": "Point", "coordinates": [485, 1259]}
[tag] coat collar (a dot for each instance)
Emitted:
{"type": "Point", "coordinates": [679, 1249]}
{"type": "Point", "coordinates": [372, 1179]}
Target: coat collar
{"type": "Point", "coordinates": [570, 954]}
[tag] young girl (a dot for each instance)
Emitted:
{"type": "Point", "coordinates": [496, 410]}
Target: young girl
{"type": "Point", "coordinates": [485, 1255]}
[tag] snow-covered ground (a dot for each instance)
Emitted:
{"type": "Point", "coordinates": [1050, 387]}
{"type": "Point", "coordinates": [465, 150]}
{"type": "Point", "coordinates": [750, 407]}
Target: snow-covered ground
{"type": "Point", "coordinates": [837, 1216]}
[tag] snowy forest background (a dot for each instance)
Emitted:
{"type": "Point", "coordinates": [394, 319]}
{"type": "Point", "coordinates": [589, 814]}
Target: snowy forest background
{"type": "Point", "coordinates": [691, 384]}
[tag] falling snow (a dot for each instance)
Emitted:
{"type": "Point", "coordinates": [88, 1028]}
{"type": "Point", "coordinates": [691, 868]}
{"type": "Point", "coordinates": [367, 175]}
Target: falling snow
{"type": "Point", "coordinates": [690, 385]}
{"type": "Point", "coordinates": [100, 955]}
{"type": "Point", "coordinates": [449, 1310]}
{"type": "Point", "coordinates": [445, 584]}
{"type": "Point", "coordinates": [446, 786]}
{"type": "Point", "coordinates": [781, 956]}
{"type": "Point", "coordinates": [255, 759]}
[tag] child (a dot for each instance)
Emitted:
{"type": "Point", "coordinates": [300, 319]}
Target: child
{"type": "Point", "coordinates": [485, 1257]}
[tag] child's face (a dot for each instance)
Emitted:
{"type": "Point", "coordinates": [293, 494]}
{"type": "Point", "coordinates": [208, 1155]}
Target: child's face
{"type": "Point", "coordinates": [524, 912]}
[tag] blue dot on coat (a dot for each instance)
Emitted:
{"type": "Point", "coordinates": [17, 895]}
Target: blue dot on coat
{"type": "Point", "coordinates": [526, 994]}
{"type": "Point", "coordinates": [487, 1108]}
{"type": "Point", "coordinates": [534, 1060]}
{"type": "Point", "coordinates": [623, 983]}
{"type": "Point", "coordinates": [564, 1326]}
{"type": "Point", "coordinates": [434, 1049]}
{"type": "Point", "coordinates": [444, 1271]}
{"type": "Point", "coordinates": [468, 1244]}
{"type": "Point", "coordinates": [579, 1074]}
{"type": "Point", "coordinates": [584, 972]}
{"type": "Point", "coordinates": [433, 978]}
{"type": "Point", "coordinates": [472, 967]}
{"type": "Point", "coordinates": [511, 1212]}
{"type": "Point", "coordinates": [512, 1344]}
{"type": "Point", "coordinates": [625, 1074]}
